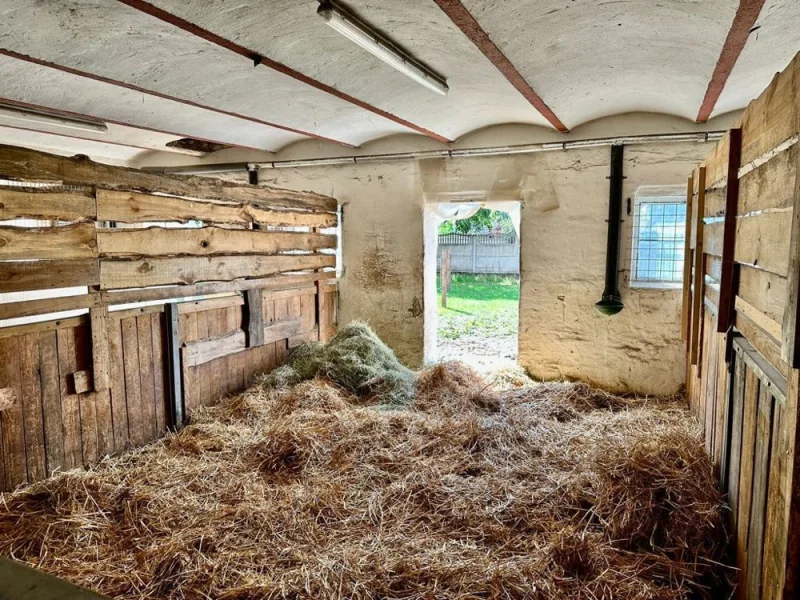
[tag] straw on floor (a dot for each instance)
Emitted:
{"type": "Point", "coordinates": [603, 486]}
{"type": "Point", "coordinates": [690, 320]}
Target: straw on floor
{"type": "Point", "coordinates": [546, 491]}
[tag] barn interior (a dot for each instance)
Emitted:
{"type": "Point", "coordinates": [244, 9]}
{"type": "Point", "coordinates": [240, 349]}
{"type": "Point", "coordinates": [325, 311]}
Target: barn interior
{"type": "Point", "coordinates": [225, 255]}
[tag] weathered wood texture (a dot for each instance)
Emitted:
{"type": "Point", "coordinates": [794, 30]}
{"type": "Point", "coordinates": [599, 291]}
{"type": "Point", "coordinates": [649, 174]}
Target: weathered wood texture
{"type": "Point", "coordinates": [744, 389]}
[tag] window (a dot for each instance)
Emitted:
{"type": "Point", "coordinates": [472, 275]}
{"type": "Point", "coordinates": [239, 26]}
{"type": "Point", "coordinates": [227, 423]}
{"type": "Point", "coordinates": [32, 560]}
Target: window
{"type": "Point", "coordinates": [659, 230]}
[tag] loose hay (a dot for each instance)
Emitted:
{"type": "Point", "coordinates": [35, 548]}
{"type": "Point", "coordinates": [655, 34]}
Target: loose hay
{"type": "Point", "coordinates": [470, 493]}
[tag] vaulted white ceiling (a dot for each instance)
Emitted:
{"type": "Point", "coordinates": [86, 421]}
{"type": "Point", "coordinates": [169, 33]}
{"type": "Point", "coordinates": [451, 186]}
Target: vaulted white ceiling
{"type": "Point", "coordinates": [160, 70]}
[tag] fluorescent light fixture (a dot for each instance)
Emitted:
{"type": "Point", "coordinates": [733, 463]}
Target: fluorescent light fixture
{"type": "Point", "coordinates": [362, 34]}
{"type": "Point", "coordinates": [28, 115]}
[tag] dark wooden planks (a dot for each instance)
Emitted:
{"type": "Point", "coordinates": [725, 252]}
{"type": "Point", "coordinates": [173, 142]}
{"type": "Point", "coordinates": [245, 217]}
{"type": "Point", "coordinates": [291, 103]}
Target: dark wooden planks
{"type": "Point", "coordinates": [119, 404]}
{"type": "Point", "coordinates": [30, 385]}
{"type": "Point", "coordinates": [70, 402]}
{"type": "Point", "coordinates": [12, 419]}
{"type": "Point", "coordinates": [137, 427]}
{"type": "Point", "coordinates": [51, 401]}
{"type": "Point", "coordinates": [727, 291]}
{"type": "Point", "coordinates": [87, 402]}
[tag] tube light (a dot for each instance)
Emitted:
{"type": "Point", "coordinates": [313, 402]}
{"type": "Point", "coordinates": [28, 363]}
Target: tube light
{"type": "Point", "coordinates": [27, 115]}
{"type": "Point", "coordinates": [360, 33]}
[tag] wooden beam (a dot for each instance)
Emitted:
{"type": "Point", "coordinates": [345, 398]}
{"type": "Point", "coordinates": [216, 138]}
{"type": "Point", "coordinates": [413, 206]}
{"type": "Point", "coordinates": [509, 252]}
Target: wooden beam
{"type": "Point", "coordinates": [67, 242]}
{"type": "Point", "coordinates": [687, 264]}
{"type": "Point", "coordinates": [258, 59]}
{"type": "Point", "coordinates": [790, 340]}
{"type": "Point", "coordinates": [82, 381]}
{"type": "Point", "coordinates": [174, 367]}
{"type": "Point", "coordinates": [462, 18]}
{"type": "Point", "coordinates": [23, 163]}
{"type": "Point", "coordinates": [136, 207]}
{"type": "Point", "coordinates": [41, 203]}
{"type": "Point", "coordinates": [254, 317]}
{"type": "Point", "coordinates": [743, 22]}
{"type": "Point", "coordinates": [727, 293]}
{"type": "Point", "coordinates": [101, 361]}
{"type": "Point", "coordinates": [203, 241]}
{"type": "Point", "coordinates": [48, 274]}
{"type": "Point", "coordinates": [699, 263]}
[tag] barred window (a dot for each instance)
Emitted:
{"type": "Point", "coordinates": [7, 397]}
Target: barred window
{"type": "Point", "coordinates": [659, 230]}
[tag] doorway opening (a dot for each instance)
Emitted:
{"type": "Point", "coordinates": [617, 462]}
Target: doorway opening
{"type": "Point", "coordinates": [472, 284]}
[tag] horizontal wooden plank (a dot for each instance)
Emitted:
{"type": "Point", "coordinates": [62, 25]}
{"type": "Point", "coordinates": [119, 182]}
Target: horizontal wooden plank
{"type": "Point", "coordinates": [48, 274]}
{"type": "Point", "coordinates": [210, 304]}
{"type": "Point", "coordinates": [764, 343]}
{"type": "Point", "coordinates": [766, 291]}
{"type": "Point", "coordinates": [23, 163]}
{"type": "Point", "coordinates": [136, 311]}
{"type": "Point", "coordinates": [713, 267]}
{"type": "Point", "coordinates": [772, 327]}
{"type": "Point", "coordinates": [715, 202]}
{"type": "Point", "coordinates": [282, 330]}
{"type": "Point", "coordinates": [769, 376]}
{"type": "Point", "coordinates": [713, 237]}
{"type": "Point", "coordinates": [67, 242]}
{"type": "Point", "coordinates": [43, 326]}
{"type": "Point", "coordinates": [205, 241]}
{"type": "Point", "coordinates": [202, 351]}
{"type": "Point", "coordinates": [45, 204]}
{"type": "Point", "coordinates": [116, 274]}
{"type": "Point", "coordinates": [772, 184]}
{"type": "Point", "coordinates": [136, 207]}
{"type": "Point", "coordinates": [763, 241]}
{"type": "Point", "coordinates": [290, 293]}
{"type": "Point", "coordinates": [774, 116]}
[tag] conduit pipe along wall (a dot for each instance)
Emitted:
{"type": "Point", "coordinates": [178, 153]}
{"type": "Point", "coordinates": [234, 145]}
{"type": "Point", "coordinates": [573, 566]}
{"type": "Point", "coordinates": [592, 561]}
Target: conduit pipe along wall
{"type": "Point", "coordinates": [611, 302]}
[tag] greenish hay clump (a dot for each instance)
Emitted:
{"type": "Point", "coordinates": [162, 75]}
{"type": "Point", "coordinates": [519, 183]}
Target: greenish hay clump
{"type": "Point", "coordinates": [356, 359]}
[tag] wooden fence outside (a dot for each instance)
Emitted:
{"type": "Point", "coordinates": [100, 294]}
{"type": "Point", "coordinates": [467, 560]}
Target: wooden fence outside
{"type": "Point", "coordinates": [73, 390]}
{"type": "Point", "coordinates": [740, 315]}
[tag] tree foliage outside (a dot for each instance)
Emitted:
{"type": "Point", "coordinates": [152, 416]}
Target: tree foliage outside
{"type": "Point", "coordinates": [484, 221]}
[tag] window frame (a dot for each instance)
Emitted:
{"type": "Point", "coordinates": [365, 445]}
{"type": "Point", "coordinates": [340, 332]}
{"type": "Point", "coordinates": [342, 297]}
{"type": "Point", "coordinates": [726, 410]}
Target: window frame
{"type": "Point", "coordinates": [654, 195]}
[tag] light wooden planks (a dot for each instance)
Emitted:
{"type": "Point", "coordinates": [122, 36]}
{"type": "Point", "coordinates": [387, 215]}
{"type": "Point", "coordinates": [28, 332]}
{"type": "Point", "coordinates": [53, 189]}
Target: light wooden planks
{"type": "Point", "coordinates": [48, 205]}
{"type": "Point", "coordinates": [12, 419]}
{"type": "Point", "coordinates": [70, 401]}
{"type": "Point", "coordinates": [135, 207]}
{"type": "Point", "coordinates": [254, 317]}
{"type": "Point", "coordinates": [66, 242]}
{"type": "Point", "coordinates": [50, 274]}
{"type": "Point", "coordinates": [687, 268]}
{"type": "Point", "coordinates": [766, 291]}
{"type": "Point", "coordinates": [206, 350]}
{"type": "Point", "coordinates": [699, 274]}
{"type": "Point", "coordinates": [204, 241]}
{"type": "Point", "coordinates": [22, 163]}
{"type": "Point", "coordinates": [745, 493]}
{"type": "Point", "coordinates": [51, 401]}
{"type": "Point", "coordinates": [164, 271]}
{"type": "Point", "coordinates": [735, 456]}
{"type": "Point", "coordinates": [762, 241]}
{"type": "Point", "coordinates": [100, 358]}
{"type": "Point", "coordinates": [773, 328]}
{"type": "Point", "coordinates": [772, 185]}
{"type": "Point", "coordinates": [790, 339]}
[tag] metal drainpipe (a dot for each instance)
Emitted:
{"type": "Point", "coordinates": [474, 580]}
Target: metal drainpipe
{"type": "Point", "coordinates": [611, 303]}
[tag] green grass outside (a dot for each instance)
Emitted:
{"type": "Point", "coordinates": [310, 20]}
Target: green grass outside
{"type": "Point", "coordinates": [479, 305]}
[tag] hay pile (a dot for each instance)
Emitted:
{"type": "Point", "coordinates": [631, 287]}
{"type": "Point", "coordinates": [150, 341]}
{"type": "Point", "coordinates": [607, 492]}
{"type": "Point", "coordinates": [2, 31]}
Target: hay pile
{"type": "Point", "coordinates": [356, 359]}
{"type": "Point", "coordinates": [548, 491]}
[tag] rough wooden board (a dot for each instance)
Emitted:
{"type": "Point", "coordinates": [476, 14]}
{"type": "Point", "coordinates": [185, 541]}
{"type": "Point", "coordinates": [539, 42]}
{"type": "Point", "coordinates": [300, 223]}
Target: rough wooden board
{"type": "Point", "coordinates": [777, 501]}
{"type": "Point", "coordinates": [204, 241]}
{"type": "Point", "coordinates": [51, 401]}
{"type": "Point", "coordinates": [773, 116]}
{"type": "Point", "coordinates": [771, 185]}
{"type": "Point", "coordinates": [30, 308]}
{"type": "Point", "coordinates": [750, 417]}
{"type": "Point", "coordinates": [46, 205]}
{"type": "Point", "coordinates": [686, 294]}
{"type": "Point", "coordinates": [790, 340]}
{"type": "Point", "coordinates": [282, 330]}
{"type": "Point", "coordinates": [764, 343]}
{"type": "Point", "coordinates": [146, 376]}
{"type": "Point", "coordinates": [98, 318]}
{"type": "Point", "coordinates": [254, 317]}
{"type": "Point", "coordinates": [62, 243]}
{"type": "Point", "coordinates": [206, 350]}
{"type": "Point", "coordinates": [712, 238]}
{"type": "Point", "coordinates": [160, 384]}
{"type": "Point", "coordinates": [716, 163]}
{"type": "Point", "coordinates": [16, 330]}
{"type": "Point", "coordinates": [766, 291]}
{"type": "Point", "coordinates": [164, 271]}
{"type": "Point", "coordinates": [81, 381]}
{"type": "Point", "coordinates": [715, 202]}
{"type": "Point", "coordinates": [699, 275]}
{"type": "Point", "coordinates": [773, 328]}
{"type": "Point", "coordinates": [70, 402]}
{"type": "Point", "coordinates": [119, 407]}
{"type": "Point", "coordinates": [137, 425]}
{"type": "Point", "coordinates": [134, 207]}
{"type": "Point", "coordinates": [22, 163]}
{"type": "Point", "coordinates": [185, 308]}
{"type": "Point", "coordinates": [762, 241]}
{"type": "Point", "coordinates": [8, 398]}
{"type": "Point", "coordinates": [737, 416]}
{"type": "Point", "coordinates": [50, 274]}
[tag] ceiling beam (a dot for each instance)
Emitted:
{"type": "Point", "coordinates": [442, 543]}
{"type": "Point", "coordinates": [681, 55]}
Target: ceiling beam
{"type": "Point", "coordinates": [743, 22]}
{"type": "Point", "coordinates": [70, 114]}
{"type": "Point", "coordinates": [258, 59]}
{"type": "Point", "coordinates": [472, 29]}
{"type": "Point", "coordinates": [149, 92]}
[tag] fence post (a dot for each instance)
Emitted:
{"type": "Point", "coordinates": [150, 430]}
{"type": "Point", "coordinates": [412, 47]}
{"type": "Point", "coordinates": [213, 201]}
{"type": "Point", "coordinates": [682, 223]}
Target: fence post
{"type": "Point", "coordinates": [474, 240]}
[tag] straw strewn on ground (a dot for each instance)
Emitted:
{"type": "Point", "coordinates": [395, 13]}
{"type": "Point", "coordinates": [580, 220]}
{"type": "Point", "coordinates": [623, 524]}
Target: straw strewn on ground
{"type": "Point", "coordinates": [546, 491]}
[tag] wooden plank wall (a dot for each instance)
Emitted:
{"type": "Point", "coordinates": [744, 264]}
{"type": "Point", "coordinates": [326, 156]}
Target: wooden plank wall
{"type": "Point", "coordinates": [740, 315]}
{"type": "Point", "coordinates": [251, 282]}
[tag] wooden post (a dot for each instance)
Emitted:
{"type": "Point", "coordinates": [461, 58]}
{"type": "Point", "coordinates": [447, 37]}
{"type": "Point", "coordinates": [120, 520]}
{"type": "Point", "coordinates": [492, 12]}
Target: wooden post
{"type": "Point", "coordinates": [254, 317]}
{"type": "Point", "coordinates": [174, 369]}
{"type": "Point", "coordinates": [687, 263]}
{"type": "Point", "coordinates": [699, 266]}
{"type": "Point", "coordinates": [101, 362]}
{"type": "Point", "coordinates": [727, 293]}
{"type": "Point", "coordinates": [791, 333]}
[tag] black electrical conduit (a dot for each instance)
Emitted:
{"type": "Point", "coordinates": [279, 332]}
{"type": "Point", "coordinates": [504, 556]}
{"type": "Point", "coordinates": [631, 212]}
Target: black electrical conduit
{"type": "Point", "coordinates": [611, 303]}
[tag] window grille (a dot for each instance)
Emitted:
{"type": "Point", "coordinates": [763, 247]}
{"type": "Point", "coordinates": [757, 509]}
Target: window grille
{"type": "Point", "coordinates": [659, 230]}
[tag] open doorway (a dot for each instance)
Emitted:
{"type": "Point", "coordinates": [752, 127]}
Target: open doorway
{"type": "Point", "coordinates": [473, 284]}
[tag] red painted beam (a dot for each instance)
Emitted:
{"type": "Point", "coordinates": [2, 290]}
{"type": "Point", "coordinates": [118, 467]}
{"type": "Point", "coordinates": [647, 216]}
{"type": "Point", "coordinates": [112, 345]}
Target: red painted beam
{"type": "Point", "coordinates": [472, 29]}
{"type": "Point", "coordinates": [66, 113]}
{"type": "Point", "coordinates": [142, 90]}
{"type": "Point", "coordinates": [743, 22]}
{"type": "Point", "coordinates": [213, 38]}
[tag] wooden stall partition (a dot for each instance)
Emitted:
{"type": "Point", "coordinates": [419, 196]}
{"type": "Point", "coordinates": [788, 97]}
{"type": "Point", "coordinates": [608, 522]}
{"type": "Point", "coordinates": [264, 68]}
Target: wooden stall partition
{"type": "Point", "coordinates": [191, 288]}
{"type": "Point", "coordinates": [742, 349]}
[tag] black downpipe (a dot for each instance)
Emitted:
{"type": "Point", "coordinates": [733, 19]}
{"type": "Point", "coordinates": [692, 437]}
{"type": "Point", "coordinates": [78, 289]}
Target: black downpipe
{"type": "Point", "coordinates": [611, 302]}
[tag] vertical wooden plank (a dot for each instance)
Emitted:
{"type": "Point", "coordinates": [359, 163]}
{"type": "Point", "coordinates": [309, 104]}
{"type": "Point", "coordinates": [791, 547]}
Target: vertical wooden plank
{"type": "Point", "coordinates": [727, 293]}
{"type": "Point", "coordinates": [790, 337]}
{"type": "Point", "coordinates": [130, 361]}
{"type": "Point", "coordinates": [745, 494]}
{"type": "Point", "coordinates": [100, 362]}
{"type": "Point", "coordinates": [87, 402]}
{"type": "Point", "coordinates": [777, 502]}
{"type": "Point", "coordinates": [687, 264]}
{"type": "Point", "coordinates": [254, 317]}
{"type": "Point", "coordinates": [32, 406]}
{"type": "Point", "coordinates": [737, 411]}
{"type": "Point", "coordinates": [159, 372]}
{"type": "Point", "coordinates": [721, 399]}
{"type": "Point", "coordinates": [146, 377]}
{"type": "Point", "coordinates": [199, 373]}
{"type": "Point", "coordinates": [51, 401]}
{"type": "Point", "coordinates": [119, 404]}
{"type": "Point", "coordinates": [758, 507]}
{"type": "Point", "coordinates": [70, 402]}
{"type": "Point", "coordinates": [176, 377]}
{"type": "Point", "coordinates": [222, 367]}
{"type": "Point", "coordinates": [699, 267]}
{"type": "Point", "coordinates": [12, 419]}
